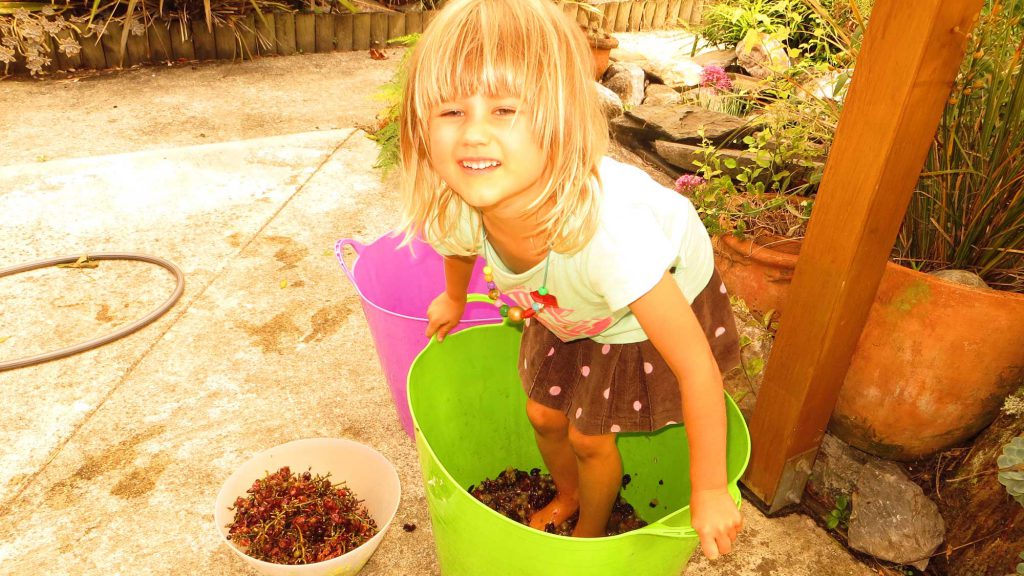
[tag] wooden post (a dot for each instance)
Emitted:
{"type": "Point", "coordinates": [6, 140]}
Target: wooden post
{"type": "Point", "coordinates": [325, 32]}
{"type": "Point", "coordinates": [284, 28]}
{"type": "Point", "coordinates": [136, 49]}
{"type": "Point", "coordinates": [611, 10]}
{"type": "Point", "coordinates": [50, 53]}
{"type": "Point", "coordinates": [622, 16]}
{"type": "Point", "coordinates": [698, 11]}
{"type": "Point", "coordinates": [343, 32]}
{"type": "Point", "coordinates": [224, 40]}
{"type": "Point", "coordinates": [427, 17]}
{"type": "Point", "coordinates": [305, 38]}
{"type": "Point", "coordinates": [247, 37]}
{"type": "Point", "coordinates": [378, 30]}
{"type": "Point", "coordinates": [396, 26]}
{"type": "Point", "coordinates": [111, 42]}
{"type": "Point", "coordinates": [159, 41]}
{"type": "Point", "coordinates": [672, 17]}
{"type": "Point", "coordinates": [660, 12]}
{"type": "Point", "coordinates": [181, 41]}
{"type": "Point", "coordinates": [413, 22]}
{"type": "Point", "coordinates": [204, 41]}
{"type": "Point", "coordinates": [686, 11]}
{"type": "Point", "coordinates": [911, 54]}
{"type": "Point", "coordinates": [649, 8]}
{"type": "Point", "coordinates": [361, 31]}
{"type": "Point", "coordinates": [64, 61]}
{"type": "Point", "coordinates": [266, 33]}
{"type": "Point", "coordinates": [583, 17]}
{"type": "Point", "coordinates": [636, 15]}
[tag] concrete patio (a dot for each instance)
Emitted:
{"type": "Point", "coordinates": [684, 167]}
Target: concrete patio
{"type": "Point", "coordinates": [111, 459]}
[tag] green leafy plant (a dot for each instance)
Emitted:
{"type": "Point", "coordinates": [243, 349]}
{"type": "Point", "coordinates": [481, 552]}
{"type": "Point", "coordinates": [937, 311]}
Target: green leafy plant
{"type": "Point", "coordinates": [821, 31]}
{"type": "Point", "coordinates": [27, 32]}
{"type": "Point", "coordinates": [840, 514]}
{"type": "Point", "coordinates": [386, 133]}
{"type": "Point", "coordinates": [766, 193]}
{"type": "Point", "coordinates": [1011, 475]}
{"type": "Point", "coordinates": [968, 209]}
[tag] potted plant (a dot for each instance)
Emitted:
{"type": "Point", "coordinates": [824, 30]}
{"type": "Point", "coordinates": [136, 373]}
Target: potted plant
{"type": "Point", "coordinates": [601, 45]}
{"type": "Point", "coordinates": [907, 393]}
{"type": "Point", "coordinates": [756, 201]}
{"type": "Point", "coordinates": [936, 358]}
{"type": "Point", "coordinates": [600, 40]}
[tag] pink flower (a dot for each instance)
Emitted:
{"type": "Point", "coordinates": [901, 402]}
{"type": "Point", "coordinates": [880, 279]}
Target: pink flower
{"type": "Point", "coordinates": [688, 183]}
{"type": "Point", "coordinates": [715, 77]}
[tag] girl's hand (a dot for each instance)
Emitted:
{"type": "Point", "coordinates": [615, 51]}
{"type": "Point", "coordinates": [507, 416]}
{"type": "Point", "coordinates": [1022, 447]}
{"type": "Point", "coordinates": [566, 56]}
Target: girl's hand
{"type": "Point", "coordinates": [716, 520]}
{"type": "Point", "coordinates": [443, 314]}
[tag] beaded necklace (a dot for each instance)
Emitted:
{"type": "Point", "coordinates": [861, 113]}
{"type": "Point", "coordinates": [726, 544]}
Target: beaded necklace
{"type": "Point", "coordinates": [517, 314]}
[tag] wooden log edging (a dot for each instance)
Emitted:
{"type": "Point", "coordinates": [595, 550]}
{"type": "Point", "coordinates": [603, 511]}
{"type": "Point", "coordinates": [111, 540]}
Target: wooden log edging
{"type": "Point", "coordinates": [287, 33]}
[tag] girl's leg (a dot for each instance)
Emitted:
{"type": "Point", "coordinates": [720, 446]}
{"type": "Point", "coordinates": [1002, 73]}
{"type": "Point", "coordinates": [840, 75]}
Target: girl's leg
{"type": "Point", "coordinates": [600, 477]}
{"type": "Point", "coordinates": [551, 428]}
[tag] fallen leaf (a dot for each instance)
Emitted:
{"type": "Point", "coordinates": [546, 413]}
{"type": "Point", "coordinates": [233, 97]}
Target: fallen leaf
{"type": "Point", "coordinates": [378, 54]}
{"type": "Point", "coordinates": [82, 262]}
{"type": "Point", "coordinates": [4, 339]}
{"type": "Point", "coordinates": [284, 283]}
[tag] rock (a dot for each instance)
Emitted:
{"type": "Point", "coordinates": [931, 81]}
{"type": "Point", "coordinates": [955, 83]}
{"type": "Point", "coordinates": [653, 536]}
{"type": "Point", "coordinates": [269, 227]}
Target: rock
{"type": "Point", "coordinates": [986, 526]}
{"type": "Point", "coordinates": [611, 104]}
{"type": "Point", "coordinates": [683, 123]}
{"type": "Point", "coordinates": [720, 58]}
{"type": "Point", "coordinates": [837, 468]}
{"type": "Point", "coordinates": [761, 55]}
{"type": "Point", "coordinates": [831, 85]}
{"type": "Point", "coordinates": [631, 131]}
{"type": "Point", "coordinates": [660, 95]}
{"type": "Point", "coordinates": [892, 519]}
{"type": "Point", "coordinates": [626, 80]}
{"type": "Point", "coordinates": [744, 83]}
{"type": "Point", "coordinates": [965, 277]}
{"type": "Point", "coordinates": [673, 69]}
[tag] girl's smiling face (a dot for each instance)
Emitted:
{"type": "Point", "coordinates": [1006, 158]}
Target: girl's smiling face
{"type": "Point", "coordinates": [485, 149]}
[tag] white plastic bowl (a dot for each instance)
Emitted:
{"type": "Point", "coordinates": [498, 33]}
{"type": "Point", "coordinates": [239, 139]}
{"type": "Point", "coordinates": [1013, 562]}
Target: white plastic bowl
{"type": "Point", "coordinates": [366, 472]}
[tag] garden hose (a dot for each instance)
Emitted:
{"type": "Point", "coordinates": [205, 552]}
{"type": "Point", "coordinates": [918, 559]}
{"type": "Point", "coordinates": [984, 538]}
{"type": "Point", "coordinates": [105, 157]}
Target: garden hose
{"type": "Point", "coordinates": [121, 332]}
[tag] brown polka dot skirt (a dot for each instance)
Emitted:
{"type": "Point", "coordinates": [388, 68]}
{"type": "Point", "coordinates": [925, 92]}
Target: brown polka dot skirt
{"type": "Point", "coordinates": [609, 388]}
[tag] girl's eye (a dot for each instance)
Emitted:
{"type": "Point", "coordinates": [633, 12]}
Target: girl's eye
{"type": "Point", "coordinates": [506, 111]}
{"type": "Point", "coordinates": [450, 113]}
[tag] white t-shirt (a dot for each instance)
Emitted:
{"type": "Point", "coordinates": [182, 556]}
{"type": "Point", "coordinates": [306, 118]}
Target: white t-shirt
{"type": "Point", "coordinates": [645, 229]}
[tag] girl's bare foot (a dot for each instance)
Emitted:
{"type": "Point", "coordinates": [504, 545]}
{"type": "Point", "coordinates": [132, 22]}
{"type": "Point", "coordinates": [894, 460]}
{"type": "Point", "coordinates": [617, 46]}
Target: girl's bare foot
{"type": "Point", "coordinates": [557, 511]}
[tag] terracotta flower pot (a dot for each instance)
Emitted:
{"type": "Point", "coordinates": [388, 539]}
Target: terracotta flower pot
{"type": "Point", "coordinates": [932, 367]}
{"type": "Point", "coordinates": [933, 364]}
{"type": "Point", "coordinates": [601, 48]}
{"type": "Point", "coordinates": [757, 272]}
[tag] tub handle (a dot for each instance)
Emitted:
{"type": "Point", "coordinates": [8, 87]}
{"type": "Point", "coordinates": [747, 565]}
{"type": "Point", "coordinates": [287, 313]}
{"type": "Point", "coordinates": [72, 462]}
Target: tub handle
{"type": "Point", "coordinates": [476, 297]}
{"type": "Point", "coordinates": [339, 252]}
{"type": "Point", "coordinates": [669, 531]}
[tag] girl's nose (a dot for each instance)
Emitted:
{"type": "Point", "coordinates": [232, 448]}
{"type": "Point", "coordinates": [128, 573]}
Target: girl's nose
{"type": "Point", "coordinates": [476, 132]}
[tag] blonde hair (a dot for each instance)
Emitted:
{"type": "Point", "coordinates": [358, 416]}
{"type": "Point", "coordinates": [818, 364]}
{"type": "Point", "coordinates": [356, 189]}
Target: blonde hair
{"type": "Point", "coordinates": [528, 49]}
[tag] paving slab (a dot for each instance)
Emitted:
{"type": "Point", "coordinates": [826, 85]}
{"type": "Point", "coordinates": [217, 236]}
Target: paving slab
{"type": "Point", "coordinates": [110, 460]}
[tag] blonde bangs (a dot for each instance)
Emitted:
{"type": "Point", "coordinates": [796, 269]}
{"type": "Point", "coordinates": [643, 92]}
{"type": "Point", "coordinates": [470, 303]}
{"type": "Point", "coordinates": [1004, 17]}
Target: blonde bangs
{"type": "Point", "coordinates": [526, 49]}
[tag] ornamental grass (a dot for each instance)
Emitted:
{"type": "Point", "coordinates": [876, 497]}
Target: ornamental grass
{"type": "Point", "coordinates": [968, 209]}
{"type": "Point", "coordinates": [26, 28]}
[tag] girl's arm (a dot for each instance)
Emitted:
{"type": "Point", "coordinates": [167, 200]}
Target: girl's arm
{"type": "Point", "coordinates": [446, 310]}
{"type": "Point", "coordinates": [670, 323]}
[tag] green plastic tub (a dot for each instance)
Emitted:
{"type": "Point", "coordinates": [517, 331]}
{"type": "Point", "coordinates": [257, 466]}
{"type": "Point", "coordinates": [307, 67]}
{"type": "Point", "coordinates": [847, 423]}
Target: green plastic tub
{"type": "Point", "coordinates": [468, 410]}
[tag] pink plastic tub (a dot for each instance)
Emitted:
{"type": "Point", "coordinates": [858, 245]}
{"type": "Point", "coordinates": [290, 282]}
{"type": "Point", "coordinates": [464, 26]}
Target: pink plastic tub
{"type": "Point", "coordinates": [395, 286]}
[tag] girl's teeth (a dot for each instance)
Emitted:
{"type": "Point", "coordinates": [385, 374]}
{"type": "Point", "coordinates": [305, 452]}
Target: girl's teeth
{"type": "Point", "coordinates": [480, 165]}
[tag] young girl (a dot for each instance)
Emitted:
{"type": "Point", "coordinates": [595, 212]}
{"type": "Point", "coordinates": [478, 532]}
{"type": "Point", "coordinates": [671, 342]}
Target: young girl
{"type": "Point", "coordinates": [626, 320]}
